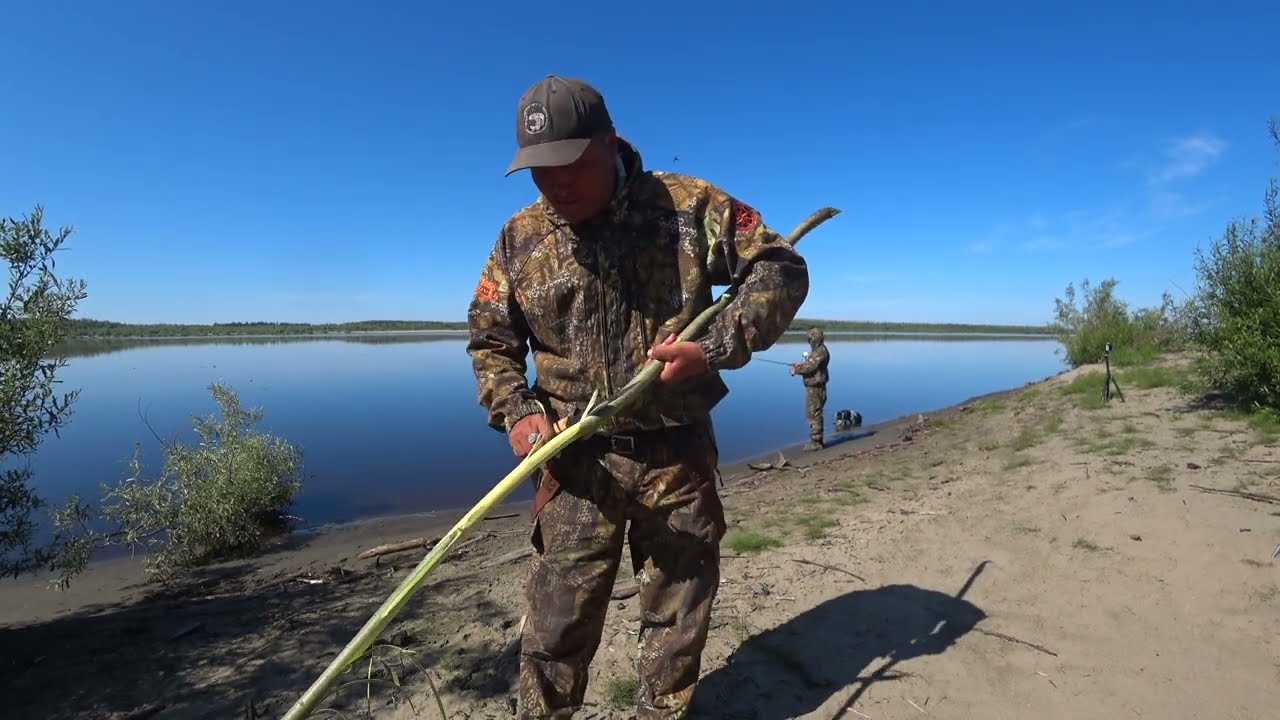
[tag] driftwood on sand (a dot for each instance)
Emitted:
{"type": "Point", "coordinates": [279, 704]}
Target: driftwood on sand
{"type": "Point", "coordinates": [508, 557]}
{"type": "Point", "coordinates": [421, 542]}
{"type": "Point", "coordinates": [1256, 497]}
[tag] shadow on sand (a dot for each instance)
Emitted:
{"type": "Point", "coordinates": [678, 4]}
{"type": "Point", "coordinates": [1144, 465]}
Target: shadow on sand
{"type": "Point", "coordinates": [848, 436]}
{"type": "Point", "coordinates": [231, 643]}
{"type": "Point", "coordinates": [829, 650]}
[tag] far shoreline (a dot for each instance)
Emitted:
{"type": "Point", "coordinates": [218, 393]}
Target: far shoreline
{"type": "Point", "coordinates": [84, 329]}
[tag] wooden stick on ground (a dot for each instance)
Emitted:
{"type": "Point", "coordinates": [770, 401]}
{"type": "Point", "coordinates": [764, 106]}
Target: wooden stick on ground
{"type": "Point", "coordinates": [1259, 497]}
{"type": "Point", "coordinates": [1012, 639]}
{"type": "Point", "coordinates": [523, 552]}
{"type": "Point", "coordinates": [422, 542]}
{"type": "Point", "coordinates": [462, 548]}
{"type": "Point", "coordinates": [830, 567]}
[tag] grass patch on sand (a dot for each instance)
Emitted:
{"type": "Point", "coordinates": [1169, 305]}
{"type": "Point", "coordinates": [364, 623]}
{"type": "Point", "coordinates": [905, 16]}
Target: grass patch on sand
{"type": "Point", "coordinates": [1026, 439]}
{"type": "Point", "coordinates": [942, 425]}
{"type": "Point", "coordinates": [1265, 424]}
{"type": "Point", "coordinates": [990, 405]}
{"type": "Point", "coordinates": [807, 518]}
{"type": "Point", "coordinates": [1086, 388]}
{"type": "Point", "coordinates": [849, 493]}
{"type": "Point", "coordinates": [1162, 476]}
{"type": "Point", "coordinates": [1104, 443]}
{"type": "Point", "coordinates": [1017, 461]}
{"type": "Point", "coordinates": [749, 541]}
{"type": "Point", "coordinates": [815, 525]}
{"type": "Point", "coordinates": [1084, 544]}
{"type": "Point", "coordinates": [621, 693]}
{"type": "Point", "coordinates": [1148, 378]}
{"type": "Point", "coordinates": [1033, 435]}
{"type": "Point", "coordinates": [878, 477]}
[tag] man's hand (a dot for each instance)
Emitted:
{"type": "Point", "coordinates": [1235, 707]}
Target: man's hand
{"type": "Point", "coordinates": [794, 368]}
{"type": "Point", "coordinates": [527, 431]}
{"type": "Point", "coordinates": [683, 360]}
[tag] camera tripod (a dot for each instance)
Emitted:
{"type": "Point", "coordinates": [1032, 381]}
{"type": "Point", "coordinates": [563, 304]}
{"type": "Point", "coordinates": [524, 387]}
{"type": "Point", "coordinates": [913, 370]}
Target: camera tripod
{"type": "Point", "coordinates": [1110, 379]}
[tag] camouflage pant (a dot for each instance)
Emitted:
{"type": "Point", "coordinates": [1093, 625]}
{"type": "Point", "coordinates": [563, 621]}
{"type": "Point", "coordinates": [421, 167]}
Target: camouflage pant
{"type": "Point", "coordinates": [815, 399]}
{"type": "Point", "coordinates": [666, 488]}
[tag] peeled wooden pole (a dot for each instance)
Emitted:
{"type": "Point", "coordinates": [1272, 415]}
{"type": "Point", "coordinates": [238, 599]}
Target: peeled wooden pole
{"type": "Point", "coordinates": [591, 421]}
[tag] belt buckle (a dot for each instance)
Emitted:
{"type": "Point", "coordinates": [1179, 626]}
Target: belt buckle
{"type": "Point", "coordinates": [625, 444]}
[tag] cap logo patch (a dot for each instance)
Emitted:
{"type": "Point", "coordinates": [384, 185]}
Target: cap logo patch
{"type": "Point", "coordinates": [535, 118]}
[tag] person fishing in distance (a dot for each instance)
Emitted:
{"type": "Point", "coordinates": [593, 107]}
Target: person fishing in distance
{"type": "Point", "coordinates": [813, 371]}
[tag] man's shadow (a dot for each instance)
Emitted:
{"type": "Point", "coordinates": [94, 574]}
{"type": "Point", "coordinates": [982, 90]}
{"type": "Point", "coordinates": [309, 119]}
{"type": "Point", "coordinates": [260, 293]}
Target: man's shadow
{"type": "Point", "coordinates": [794, 668]}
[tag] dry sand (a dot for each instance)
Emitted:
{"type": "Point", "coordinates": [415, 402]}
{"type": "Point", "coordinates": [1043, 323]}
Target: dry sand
{"type": "Point", "coordinates": [1030, 554]}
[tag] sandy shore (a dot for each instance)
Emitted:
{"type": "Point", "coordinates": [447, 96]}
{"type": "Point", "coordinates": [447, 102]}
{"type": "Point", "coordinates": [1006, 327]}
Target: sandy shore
{"type": "Point", "coordinates": [1029, 554]}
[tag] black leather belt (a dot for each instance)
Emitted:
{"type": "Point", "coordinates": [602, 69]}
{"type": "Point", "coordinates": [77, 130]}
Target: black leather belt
{"type": "Point", "coordinates": [630, 443]}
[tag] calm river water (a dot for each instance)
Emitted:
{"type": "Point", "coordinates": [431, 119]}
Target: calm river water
{"type": "Point", "coordinates": [390, 424]}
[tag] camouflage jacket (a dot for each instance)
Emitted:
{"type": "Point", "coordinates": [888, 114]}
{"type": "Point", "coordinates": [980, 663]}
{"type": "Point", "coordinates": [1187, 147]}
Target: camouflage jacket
{"type": "Point", "coordinates": [590, 300]}
{"type": "Point", "coordinates": [814, 367]}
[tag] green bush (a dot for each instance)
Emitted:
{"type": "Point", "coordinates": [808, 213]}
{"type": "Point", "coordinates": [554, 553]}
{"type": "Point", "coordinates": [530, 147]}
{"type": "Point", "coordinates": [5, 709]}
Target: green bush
{"type": "Point", "coordinates": [1100, 317]}
{"type": "Point", "coordinates": [219, 499]}
{"type": "Point", "coordinates": [1237, 305]}
{"type": "Point", "coordinates": [33, 322]}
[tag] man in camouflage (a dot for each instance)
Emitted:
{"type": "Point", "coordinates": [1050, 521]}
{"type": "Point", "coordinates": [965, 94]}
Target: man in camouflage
{"type": "Point", "coordinates": [813, 372]}
{"type": "Point", "coordinates": [596, 277]}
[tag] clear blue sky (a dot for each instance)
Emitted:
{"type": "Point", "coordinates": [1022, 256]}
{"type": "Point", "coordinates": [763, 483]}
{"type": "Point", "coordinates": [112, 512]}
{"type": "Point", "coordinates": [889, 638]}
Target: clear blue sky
{"type": "Point", "coordinates": [334, 161]}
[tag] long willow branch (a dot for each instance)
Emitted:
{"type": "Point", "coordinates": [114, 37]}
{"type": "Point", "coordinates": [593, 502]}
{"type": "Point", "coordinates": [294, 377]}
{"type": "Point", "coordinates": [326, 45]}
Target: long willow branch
{"type": "Point", "coordinates": [544, 451]}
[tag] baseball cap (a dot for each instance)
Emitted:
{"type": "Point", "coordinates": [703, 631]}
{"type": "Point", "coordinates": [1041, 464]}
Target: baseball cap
{"type": "Point", "coordinates": [555, 120]}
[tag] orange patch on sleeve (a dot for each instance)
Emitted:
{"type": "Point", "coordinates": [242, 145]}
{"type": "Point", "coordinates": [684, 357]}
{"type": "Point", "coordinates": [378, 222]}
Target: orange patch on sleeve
{"type": "Point", "coordinates": [487, 290]}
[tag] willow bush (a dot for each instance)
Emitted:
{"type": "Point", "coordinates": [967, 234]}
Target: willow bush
{"type": "Point", "coordinates": [1084, 325]}
{"type": "Point", "coordinates": [222, 497]}
{"type": "Point", "coordinates": [1237, 306]}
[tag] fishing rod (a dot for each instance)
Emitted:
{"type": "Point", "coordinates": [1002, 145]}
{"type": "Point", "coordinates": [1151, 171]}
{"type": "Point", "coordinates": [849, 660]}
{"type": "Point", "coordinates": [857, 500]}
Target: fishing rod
{"type": "Point", "coordinates": [777, 362]}
{"type": "Point", "coordinates": [592, 419]}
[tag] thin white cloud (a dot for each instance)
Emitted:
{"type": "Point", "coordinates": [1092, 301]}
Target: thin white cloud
{"type": "Point", "coordinates": [1079, 230]}
{"type": "Point", "coordinates": [1043, 242]}
{"type": "Point", "coordinates": [1189, 156]}
{"type": "Point", "coordinates": [1168, 205]}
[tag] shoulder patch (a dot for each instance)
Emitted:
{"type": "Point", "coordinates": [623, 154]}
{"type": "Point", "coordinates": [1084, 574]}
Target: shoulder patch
{"type": "Point", "coordinates": [487, 290]}
{"type": "Point", "coordinates": [745, 217]}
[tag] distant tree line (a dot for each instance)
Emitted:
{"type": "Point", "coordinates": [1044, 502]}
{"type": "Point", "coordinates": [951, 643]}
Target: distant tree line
{"type": "Point", "coordinates": [85, 328]}
{"type": "Point", "coordinates": [890, 327]}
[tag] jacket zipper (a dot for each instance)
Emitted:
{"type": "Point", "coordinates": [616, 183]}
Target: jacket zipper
{"type": "Point", "coordinates": [604, 321]}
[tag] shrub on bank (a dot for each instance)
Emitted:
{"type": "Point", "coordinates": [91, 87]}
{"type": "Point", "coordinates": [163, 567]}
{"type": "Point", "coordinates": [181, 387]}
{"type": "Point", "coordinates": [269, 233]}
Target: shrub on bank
{"type": "Point", "coordinates": [1236, 316]}
{"type": "Point", "coordinates": [219, 499]}
{"type": "Point", "coordinates": [1084, 326]}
